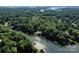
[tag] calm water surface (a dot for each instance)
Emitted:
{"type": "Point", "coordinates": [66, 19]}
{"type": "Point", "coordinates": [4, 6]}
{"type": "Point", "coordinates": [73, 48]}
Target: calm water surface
{"type": "Point", "coordinates": [51, 47]}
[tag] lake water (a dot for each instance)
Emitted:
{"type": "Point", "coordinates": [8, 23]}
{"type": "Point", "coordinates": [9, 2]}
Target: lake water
{"type": "Point", "coordinates": [50, 47]}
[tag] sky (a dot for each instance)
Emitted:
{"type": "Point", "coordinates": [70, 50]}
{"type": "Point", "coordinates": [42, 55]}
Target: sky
{"type": "Point", "coordinates": [39, 2]}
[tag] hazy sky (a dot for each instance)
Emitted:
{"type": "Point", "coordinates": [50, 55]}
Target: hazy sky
{"type": "Point", "coordinates": [39, 2]}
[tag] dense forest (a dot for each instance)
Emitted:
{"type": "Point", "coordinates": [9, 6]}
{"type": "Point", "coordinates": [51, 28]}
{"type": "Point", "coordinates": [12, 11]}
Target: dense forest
{"type": "Point", "coordinates": [60, 26]}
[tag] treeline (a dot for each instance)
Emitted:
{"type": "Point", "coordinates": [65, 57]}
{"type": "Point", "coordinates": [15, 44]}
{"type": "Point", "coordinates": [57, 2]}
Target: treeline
{"type": "Point", "coordinates": [15, 42]}
{"type": "Point", "coordinates": [58, 26]}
